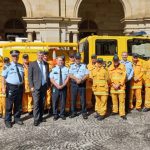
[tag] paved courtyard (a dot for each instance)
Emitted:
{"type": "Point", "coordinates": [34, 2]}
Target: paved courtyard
{"type": "Point", "coordinates": [77, 134]}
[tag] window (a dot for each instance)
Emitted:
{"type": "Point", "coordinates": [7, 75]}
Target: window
{"type": "Point", "coordinates": [139, 46]}
{"type": "Point", "coordinates": [106, 47]}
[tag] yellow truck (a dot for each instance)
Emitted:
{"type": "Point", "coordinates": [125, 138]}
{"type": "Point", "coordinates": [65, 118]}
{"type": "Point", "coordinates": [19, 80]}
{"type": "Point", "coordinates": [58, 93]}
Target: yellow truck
{"type": "Point", "coordinates": [106, 46]}
{"type": "Point", "coordinates": [31, 49]}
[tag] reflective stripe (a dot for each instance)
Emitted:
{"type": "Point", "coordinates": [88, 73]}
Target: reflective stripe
{"type": "Point", "coordinates": [136, 87]}
{"type": "Point", "coordinates": [2, 95]}
{"type": "Point", "coordinates": [99, 81]}
{"type": "Point", "coordinates": [100, 93]}
{"type": "Point", "coordinates": [147, 85]}
{"type": "Point", "coordinates": [117, 91]}
{"type": "Point", "coordinates": [116, 77]}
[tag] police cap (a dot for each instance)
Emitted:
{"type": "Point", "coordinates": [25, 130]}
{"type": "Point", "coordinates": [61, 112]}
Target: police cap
{"type": "Point", "coordinates": [115, 58]}
{"type": "Point", "coordinates": [14, 53]}
{"type": "Point", "coordinates": [99, 60]}
{"type": "Point", "coordinates": [71, 55]}
{"type": "Point", "coordinates": [135, 55]}
{"type": "Point", "coordinates": [93, 56]}
{"type": "Point", "coordinates": [25, 56]}
{"type": "Point", "coordinates": [78, 56]}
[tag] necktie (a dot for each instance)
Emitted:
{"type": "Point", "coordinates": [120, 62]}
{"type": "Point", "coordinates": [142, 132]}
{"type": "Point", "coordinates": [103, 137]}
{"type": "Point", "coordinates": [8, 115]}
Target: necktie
{"type": "Point", "coordinates": [18, 73]}
{"type": "Point", "coordinates": [60, 77]}
{"type": "Point", "coordinates": [42, 76]}
{"type": "Point", "coordinates": [41, 68]}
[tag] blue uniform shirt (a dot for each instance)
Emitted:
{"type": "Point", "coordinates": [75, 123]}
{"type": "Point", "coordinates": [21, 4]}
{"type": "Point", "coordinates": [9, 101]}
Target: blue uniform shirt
{"type": "Point", "coordinates": [10, 73]}
{"type": "Point", "coordinates": [78, 70]}
{"type": "Point", "coordinates": [129, 69]}
{"type": "Point", "coordinates": [55, 74]}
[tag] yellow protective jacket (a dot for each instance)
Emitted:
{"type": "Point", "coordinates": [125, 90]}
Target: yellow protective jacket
{"type": "Point", "coordinates": [147, 74]}
{"type": "Point", "coordinates": [138, 73]}
{"type": "Point", "coordinates": [89, 84]}
{"type": "Point", "coordinates": [117, 76]}
{"type": "Point", "coordinates": [1, 69]}
{"type": "Point", "coordinates": [26, 81]}
{"type": "Point", "coordinates": [100, 81]}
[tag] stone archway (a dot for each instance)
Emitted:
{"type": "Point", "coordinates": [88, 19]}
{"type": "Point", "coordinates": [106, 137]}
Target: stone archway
{"type": "Point", "coordinates": [11, 11]}
{"type": "Point", "coordinates": [107, 14]}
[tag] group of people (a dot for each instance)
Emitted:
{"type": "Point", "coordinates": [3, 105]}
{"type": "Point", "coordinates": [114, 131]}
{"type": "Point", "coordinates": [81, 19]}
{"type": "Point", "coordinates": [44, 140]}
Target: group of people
{"type": "Point", "coordinates": [39, 82]}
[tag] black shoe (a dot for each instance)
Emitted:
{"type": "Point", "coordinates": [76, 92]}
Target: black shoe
{"type": "Point", "coordinates": [146, 109]}
{"type": "Point", "coordinates": [8, 124]}
{"type": "Point", "coordinates": [100, 118]}
{"type": "Point", "coordinates": [113, 113]}
{"type": "Point", "coordinates": [85, 116]}
{"type": "Point", "coordinates": [96, 116]}
{"type": "Point", "coordinates": [30, 113]}
{"type": "Point", "coordinates": [46, 111]}
{"type": "Point", "coordinates": [19, 122]}
{"type": "Point", "coordinates": [72, 115]}
{"type": "Point", "coordinates": [63, 117]}
{"type": "Point", "coordinates": [139, 109]}
{"type": "Point", "coordinates": [42, 120]}
{"type": "Point", "coordinates": [0, 116]}
{"type": "Point", "coordinates": [124, 117]}
{"type": "Point", "coordinates": [36, 123]}
{"type": "Point", "coordinates": [55, 117]}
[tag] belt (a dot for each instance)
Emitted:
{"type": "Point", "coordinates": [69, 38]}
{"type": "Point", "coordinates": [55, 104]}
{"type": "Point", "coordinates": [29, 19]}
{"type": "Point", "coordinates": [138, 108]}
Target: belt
{"type": "Point", "coordinates": [14, 85]}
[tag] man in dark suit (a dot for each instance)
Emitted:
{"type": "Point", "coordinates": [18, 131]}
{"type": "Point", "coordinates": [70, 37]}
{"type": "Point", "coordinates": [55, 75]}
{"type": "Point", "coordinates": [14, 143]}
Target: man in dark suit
{"type": "Point", "coordinates": [39, 83]}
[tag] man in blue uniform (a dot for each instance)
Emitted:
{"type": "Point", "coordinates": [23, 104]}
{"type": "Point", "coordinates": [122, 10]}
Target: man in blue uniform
{"type": "Point", "coordinates": [13, 75]}
{"type": "Point", "coordinates": [59, 78]}
{"type": "Point", "coordinates": [129, 71]}
{"type": "Point", "coordinates": [78, 74]}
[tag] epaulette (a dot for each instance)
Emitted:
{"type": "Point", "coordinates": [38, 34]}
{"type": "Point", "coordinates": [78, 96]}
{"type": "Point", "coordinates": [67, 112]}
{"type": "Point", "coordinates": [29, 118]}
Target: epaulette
{"type": "Point", "coordinates": [20, 65]}
{"type": "Point", "coordinates": [4, 68]}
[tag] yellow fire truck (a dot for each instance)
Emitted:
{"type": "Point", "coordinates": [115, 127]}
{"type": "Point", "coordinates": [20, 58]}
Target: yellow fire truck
{"type": "Point", "coordinates": [106, 46]}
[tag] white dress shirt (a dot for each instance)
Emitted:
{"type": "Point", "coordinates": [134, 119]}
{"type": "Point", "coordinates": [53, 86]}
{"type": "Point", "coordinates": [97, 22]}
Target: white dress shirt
{"type": "Point", "coordinates": [44, 71]}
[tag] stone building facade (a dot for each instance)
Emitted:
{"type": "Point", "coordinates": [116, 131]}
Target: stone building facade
{"type": "Point", "coordinates": [64, 20]}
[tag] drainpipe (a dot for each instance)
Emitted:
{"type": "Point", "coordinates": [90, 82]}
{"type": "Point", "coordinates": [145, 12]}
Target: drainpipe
{"type": "Point", "coordinates": [59, 1]}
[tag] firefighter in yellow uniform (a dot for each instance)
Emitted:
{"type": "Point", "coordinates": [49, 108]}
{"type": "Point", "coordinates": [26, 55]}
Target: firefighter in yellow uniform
{"type": "Point", "coordinates": [27, 101]}
{"type": "Point", "coordinates": [147, 87]}
{"type": "Point", "coordinates": [90, 98]}
{"type": "Point", "coordinates": [6, 63]}
{"type": "Point", "coordinates": [117, 75]}
{"type": "Point", "coordinates": [100, 88]}
{"type": "Point", "coordinates": [2, 110]}
{"type": "Point", "coordinates": [48, 94]}
{"type": "Point", "coordinates": [136, 83]}
{"type": "Point", "coordinates": [68, 64]}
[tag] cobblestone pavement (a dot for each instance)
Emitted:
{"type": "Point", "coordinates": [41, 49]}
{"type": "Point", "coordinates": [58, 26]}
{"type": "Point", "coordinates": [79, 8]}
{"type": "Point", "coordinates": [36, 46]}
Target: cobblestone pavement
{"type": "Point", "coordinates": [77, 134]}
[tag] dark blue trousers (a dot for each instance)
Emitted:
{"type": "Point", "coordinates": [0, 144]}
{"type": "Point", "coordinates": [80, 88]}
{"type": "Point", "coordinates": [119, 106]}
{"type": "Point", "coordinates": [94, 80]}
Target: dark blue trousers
{"type": "Point", "coordinates": [59, 95]}
{"type": "Point", "coordinates": [75, 90]}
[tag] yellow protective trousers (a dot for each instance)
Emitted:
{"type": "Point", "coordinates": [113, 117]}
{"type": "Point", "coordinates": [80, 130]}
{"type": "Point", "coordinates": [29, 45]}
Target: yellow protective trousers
{"type": "Point", "coordinates": [118, 98]}
{"type": "Point", "coordinates": [147, 97]}
{"type": "Point", "coordinates": [138, 96]}
{"type": "Point", "coordinates": [27, 102]}
{"type": "Point", "coordinates": [101, 104]}
{"type": "Point", "coordinates": [48, 99]}
{"type": "Point", "coordinates": [2, 104]}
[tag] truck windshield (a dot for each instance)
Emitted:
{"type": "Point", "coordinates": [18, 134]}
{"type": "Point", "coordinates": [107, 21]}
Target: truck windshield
{"type": "Point", "coordinates": [106, 47]}
{"type": "Point", "coordinates": [139, 46]}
